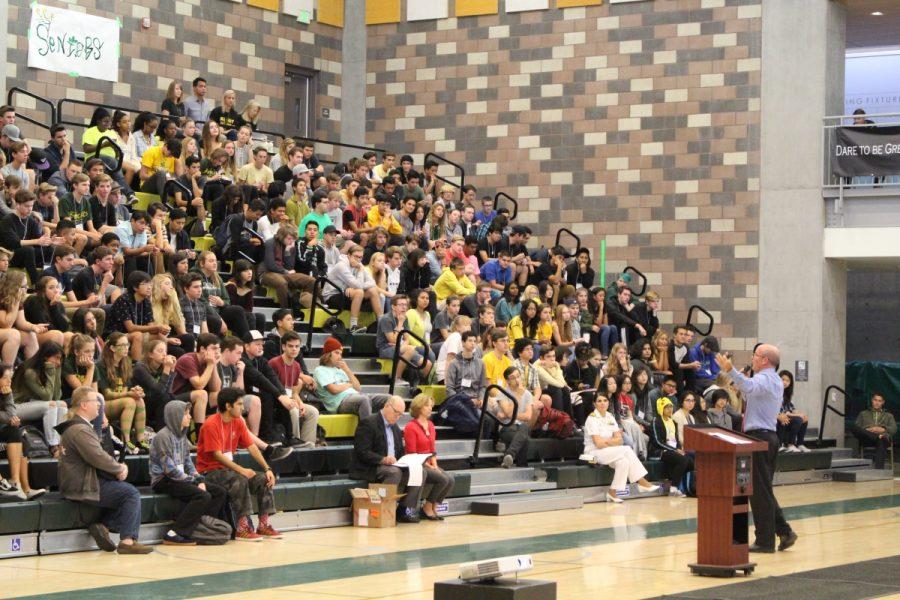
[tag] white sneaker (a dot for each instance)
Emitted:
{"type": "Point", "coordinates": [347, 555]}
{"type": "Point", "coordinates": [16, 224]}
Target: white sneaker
{"type": "Point", "coordinates": [783, 449]}
{"type": "Point", "coordinates": [792, 448]}
{"type": "Point", "coordinates": [13, 491]}
{"type": "Point", "coordinates": [32, 493]}
{"type": "Point", "coordinates": [803, 448]}
{"type": "Point", "coordinates": [676, 493]}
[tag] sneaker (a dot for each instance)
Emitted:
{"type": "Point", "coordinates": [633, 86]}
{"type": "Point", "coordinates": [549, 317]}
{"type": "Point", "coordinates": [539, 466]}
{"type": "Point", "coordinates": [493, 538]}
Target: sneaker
{"type": "Point", "coordinates": [5, 486]}
{"type": "Point", "coordinates": [803, 448]}
{"type": "Point", "coordinates": [131, 448]}
{"type": "Point", "coordinates": [32, 493]}
{"type": "Point", "coordinates": [499, 447]}
{"type": "Point", "coordinates": [268, 532]}
{"type": "Point", "coordinates": [144, 446]}
{"type": "Point", "coordinates": [792, 448]}
{"type": "Point", "coordinates": [173, 539]}
{"type": "Point", "coordinates": [273, 453]}
{"type": "Point", "coordinates": [12, 490]}
{"type": "Point", "coordinates": [676, 493]}
{"type": "Point", "coordinates": [247, 535]}
{"type": "Point", "coordinates": [358, 329]}
{"type": "Point", "coordinates": [133, 548]}
{"type": "Point", "coordinates": [507, 461]}
{"type": "Point", "coordinates": [100, 534]}
{"type": "Point", "coordinates": [782, 449]}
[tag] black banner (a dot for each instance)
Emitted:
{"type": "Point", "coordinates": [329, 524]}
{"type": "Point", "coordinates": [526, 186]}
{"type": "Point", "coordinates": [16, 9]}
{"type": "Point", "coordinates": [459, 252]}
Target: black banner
{"type": "Point", "coordinates": [860, 151]}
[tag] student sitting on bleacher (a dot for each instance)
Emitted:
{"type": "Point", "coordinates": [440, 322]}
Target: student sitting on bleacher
{"type": "Point", "coordinates": [172, 472]}
{"type": "Point", "coordinates": [279, 390]}
{"type": "Point", "coordinates": [220, 438]}
{"type": "Point", "coordinates": [280, 269]}
{"type": "Point", "coordinates": [167, 311]}
{"type": "Point", "coordinates": [240, 290]}
{"type": "Point", "coordinates": [390, 325]}
{"type": "Point", "coordinates": [665, 445]}
{"type": "Point", "coordinates": [338, 388]}
{"type": "Point", "coordinates": [452, 347]}
{"type": "Point", "coordinates": [11, 438]}
{"type": "Point", "coordinates": [88, 474]}
{"type": "Point", "coordinates": [215, 296]}
{"type": "Point", "coordinates": [454, 282]}
{"type": "Point", "coordinates": [124, 401]}
{"type": "Point", "coordinates": [154, 374]}
{"type": "Point", "coordinates": [22, 234]}
{"type": "Point", "coordinates": [516, 435]}
{"type": "Point", "coordinates": [354, 285]}
{"type": "Point", "coordinates": [36, 386]}
{"type": "Point", "coordinates": [44, 307]}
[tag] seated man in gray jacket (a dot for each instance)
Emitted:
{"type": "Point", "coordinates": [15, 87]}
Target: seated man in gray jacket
{"type": "Point", "coordinates": [88, 474]}
{"type": "Point", "coordinates": [354, 284]}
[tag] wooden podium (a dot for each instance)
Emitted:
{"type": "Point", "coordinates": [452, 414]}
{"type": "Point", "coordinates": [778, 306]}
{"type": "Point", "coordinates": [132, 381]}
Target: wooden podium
{"type": "Point", "coordinates": [724, 468]}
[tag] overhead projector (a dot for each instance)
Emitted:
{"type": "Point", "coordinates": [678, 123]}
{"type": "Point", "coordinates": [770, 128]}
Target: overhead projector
{"type": "Point", "coordinates": [483, 570]}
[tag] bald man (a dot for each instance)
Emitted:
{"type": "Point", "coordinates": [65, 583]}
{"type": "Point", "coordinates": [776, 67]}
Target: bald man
{"type": "Point", "coordinates": [763, 393]}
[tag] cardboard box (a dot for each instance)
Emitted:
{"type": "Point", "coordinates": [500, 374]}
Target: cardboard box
{"type": "Point", "coordinates": [376, 506]}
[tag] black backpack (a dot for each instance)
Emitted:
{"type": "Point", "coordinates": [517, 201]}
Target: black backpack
{"type": "Point", "coordinates": [336, 329]}
{"type": "Point", "coordinates": [34, 444]}
{"type": "Point", "coordinates": [222, 235]}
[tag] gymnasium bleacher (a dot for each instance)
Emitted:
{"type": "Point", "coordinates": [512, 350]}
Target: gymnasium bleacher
{"type": "Point", "coordinates": [313, 486]}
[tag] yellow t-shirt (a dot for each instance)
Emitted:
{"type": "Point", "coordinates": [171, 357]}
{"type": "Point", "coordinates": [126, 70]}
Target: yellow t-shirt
{"type": "Point", "coordinates": [154, 159]}
{"type": "Point", "coordinates": [92, 136]}
{"type": "Point", "coordinates": [253, 176]}
{"type": "Point", "coordinates": [375, 219]}
{"type": "Point", "coordinates": [494, 367]}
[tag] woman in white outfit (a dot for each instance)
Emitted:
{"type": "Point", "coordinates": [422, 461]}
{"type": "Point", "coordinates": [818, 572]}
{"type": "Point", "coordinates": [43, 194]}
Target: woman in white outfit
{"type": "Point", "coordinates": [603, 442]}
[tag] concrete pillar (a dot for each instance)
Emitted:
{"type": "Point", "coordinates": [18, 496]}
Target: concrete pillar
{"type": "Point", "coordinates": [353, 77]}
{"type": "Point", "coordinates": [4, 65]}
{"type": "Point", "coordinates": [802, 296]}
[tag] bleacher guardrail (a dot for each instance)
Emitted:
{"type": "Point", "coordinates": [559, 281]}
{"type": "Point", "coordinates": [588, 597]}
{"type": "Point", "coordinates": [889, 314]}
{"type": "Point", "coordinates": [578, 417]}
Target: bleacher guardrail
{"type": "Point", "coordinates": [504, 196]}
{"type": "Point", "coordinates": [485, 413]}
{"type": "Point", "coordinates": [120, 156]}
{"type": "Point", "coordinates": [17, 90]}
{"type": "Point", "coordinates": [571, 234]}
{"type": "Point", "coordinates": [641, 277]}
{"type": "Point", "coordinates": [398, 357]}
{"type": "Point", "coordinates": [826, 407]}
{"type": "Point", "coordinates": [300, 139]}
{"type": "Point", "coordinates": [695, 308]}
{"type": "Point", "coordinates": [314, 305]}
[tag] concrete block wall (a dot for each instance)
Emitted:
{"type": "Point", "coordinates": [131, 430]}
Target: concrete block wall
{"type": "Point", "coordinates": [635, 122]}
{"type": "Point", "coordinates": [232, 45]}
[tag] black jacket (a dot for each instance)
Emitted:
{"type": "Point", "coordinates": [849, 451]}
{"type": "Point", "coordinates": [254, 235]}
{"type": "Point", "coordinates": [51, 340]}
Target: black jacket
{"type": "Point", "coordinates": [658, 438]}
{"type": "Point", "coordinates": [574, 276]}
{"type": "Point", "coordinates": [370, 446]}
{"type": "Point", "coordinates": [413, 279]}
{"type": "Point", "coordinates": [644, 316]}
{"type": "Point", "coordinates": [618, 314]}
{"type": "Point", "coordinates": [684, 377]}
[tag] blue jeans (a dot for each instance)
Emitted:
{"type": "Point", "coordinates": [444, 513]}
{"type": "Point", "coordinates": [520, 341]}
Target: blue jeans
{"type": "Point", "coordinates": [123, 503]}
{"type": "Point", "coordinates": [605, 338]}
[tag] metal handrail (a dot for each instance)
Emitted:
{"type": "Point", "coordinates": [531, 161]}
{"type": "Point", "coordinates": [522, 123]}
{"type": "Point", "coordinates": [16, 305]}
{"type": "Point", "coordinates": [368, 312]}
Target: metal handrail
{"type": "Point", "coordinates": [17, 90]}
{"type": "Point", "coordinates": [63, 101]}
{"type": "Point", "coordinates": [500, 195]}
{"type": "Point", "coordinates": [398, 357]}
{"type": "Point", "coordinates": [339, 144]}
{"type": "Point", "coordinates": [827, 407]}
{"type": "Point", "coordinates": [460, 168]}
{"type": "Point", "coordinates": [642, 277]}
{"type": "Point", "coordinates": [572, 234]}
{"type": "Point", "coordinates": [120, 156]}
{"type": "Point", "coordinates": [485, 413]}
{"type": "Point", "coordinates": [316, 293]}
{"type": "Point", "coordinates": [689, 324]}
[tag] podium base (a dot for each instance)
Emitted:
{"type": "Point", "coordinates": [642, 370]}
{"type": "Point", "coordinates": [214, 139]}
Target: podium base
{"type": "Point", "coordinates": [498, 589]}
{"type": "Point", "coordinates": [721, 570]}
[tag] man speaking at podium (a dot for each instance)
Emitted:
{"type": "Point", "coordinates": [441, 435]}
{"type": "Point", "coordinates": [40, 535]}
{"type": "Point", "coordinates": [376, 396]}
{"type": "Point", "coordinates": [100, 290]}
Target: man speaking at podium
{"type": "Point", "coordinates": [763, 393]}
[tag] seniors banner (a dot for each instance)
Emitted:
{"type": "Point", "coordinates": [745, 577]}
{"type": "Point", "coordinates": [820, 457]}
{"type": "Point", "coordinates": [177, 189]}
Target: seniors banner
{"type": "Point", "coordinates": [868, 150]}
{"type": "Point", "coordinates": [71, 42]}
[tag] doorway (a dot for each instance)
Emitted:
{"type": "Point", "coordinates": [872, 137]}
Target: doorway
{"type": "Point", "coordinates": [299, 102]}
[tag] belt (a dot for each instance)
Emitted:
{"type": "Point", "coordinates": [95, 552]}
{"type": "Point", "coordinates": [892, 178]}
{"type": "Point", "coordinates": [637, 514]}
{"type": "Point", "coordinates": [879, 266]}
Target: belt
{"type": "Point", "coordinates": [759, 431]}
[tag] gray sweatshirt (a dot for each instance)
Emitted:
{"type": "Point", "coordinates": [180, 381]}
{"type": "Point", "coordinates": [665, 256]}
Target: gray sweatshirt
{"type": "Point", "coordinates": [170, 454]}
{"type": "Point", "coordinates": [470, 370]}
{"type": "Point", "coordinates": [7, 409]}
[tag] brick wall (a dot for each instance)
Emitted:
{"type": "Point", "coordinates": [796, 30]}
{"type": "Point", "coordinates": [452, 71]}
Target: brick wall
{"type": "Point", "coordinates": [231, 44]}
{"type": "Point", "coordinates": [637, 123]}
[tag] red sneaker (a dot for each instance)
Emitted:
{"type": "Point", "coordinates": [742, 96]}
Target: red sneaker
{"type": "Point", "coordinates": [247, 535]}
{"type": "Point", "coordinates": [269, 532]}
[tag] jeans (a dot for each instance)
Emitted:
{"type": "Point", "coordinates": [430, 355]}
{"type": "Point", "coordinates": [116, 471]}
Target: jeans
{"type": "Point", "coordinates": [792, 433]}
{"type": "Point", "coordinates": [767, 515]}
{"type": "Point", "coordinates": [516, 438]}
{"type": "Point", "coordinates": [867, 438]}
{"type": "Point", "coordinates": [123, 503]}
{"type": "Point", "coordinates": [116, 175]}
{"type": "Point", "coordinates": [239, 489]}
{"type": "Point", "coordinates": [605, 338]}
{"type": "Point", "coordinates": [52, 412]}
{"type": "Point", "coordinates": [196, 502]}
{"type": "Point", "coordinates": [362, 405]}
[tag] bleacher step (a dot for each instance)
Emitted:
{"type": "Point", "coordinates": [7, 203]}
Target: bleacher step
{"type": "Point", "coordinates": [851, 463]}
{"type": "Point", "coordinates": [526, 503]}
{"type": "Point", "coordinates": [357, 365]}
{"type": "Point", "coordinates": [860, 475]}
{"type": "Point", "coordinates": [499, 475]}
{"type": "Point", "coordinates": [512, 486]}
{"type": "Point", "coordinates": [838, 453]}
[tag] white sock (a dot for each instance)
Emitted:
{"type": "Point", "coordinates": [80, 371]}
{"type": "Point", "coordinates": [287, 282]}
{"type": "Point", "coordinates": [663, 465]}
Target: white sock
{"type": "Point", "coordinates": [353, 322]}
{"type": "Point", "coordinates": [171, 533]}
{"type": "Point", "coordinates": [295, 422]}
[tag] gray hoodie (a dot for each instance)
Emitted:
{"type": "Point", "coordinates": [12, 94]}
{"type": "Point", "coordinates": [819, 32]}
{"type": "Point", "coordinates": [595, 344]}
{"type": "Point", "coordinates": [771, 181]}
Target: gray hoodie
{"type": "Point", "coordinates": [468, 370]}
{"type": "Point", "coordinates": [170, 453]}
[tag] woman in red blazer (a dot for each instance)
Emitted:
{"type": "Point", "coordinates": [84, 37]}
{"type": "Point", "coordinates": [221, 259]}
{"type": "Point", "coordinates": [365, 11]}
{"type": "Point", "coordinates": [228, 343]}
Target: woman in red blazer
{"type": "Point", "coordinates": [419, 438]}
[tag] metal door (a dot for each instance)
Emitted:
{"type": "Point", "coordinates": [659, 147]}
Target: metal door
{"type": "Point", "coordinates": [299, 102]}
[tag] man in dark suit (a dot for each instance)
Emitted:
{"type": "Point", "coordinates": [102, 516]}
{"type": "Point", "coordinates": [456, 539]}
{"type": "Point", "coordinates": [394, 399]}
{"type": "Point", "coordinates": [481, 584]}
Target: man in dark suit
{"type": "Point", "coordinates": [377, 445]}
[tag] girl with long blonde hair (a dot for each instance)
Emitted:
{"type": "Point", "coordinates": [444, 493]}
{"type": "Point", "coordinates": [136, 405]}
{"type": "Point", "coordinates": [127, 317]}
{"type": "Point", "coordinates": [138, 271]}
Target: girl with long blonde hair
{"type": "Point", "coordinates": [167, 311]}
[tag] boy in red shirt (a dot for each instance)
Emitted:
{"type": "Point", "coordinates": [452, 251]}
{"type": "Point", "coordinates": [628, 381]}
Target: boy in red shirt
{"type": "Point", "coordinates": [220, 437]}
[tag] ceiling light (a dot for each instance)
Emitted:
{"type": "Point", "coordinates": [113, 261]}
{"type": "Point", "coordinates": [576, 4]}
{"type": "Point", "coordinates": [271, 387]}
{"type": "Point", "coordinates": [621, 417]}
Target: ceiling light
{"type": "Point", "coordinates": [877, 13]}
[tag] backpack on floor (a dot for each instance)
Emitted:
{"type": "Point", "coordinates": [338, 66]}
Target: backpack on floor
{"type": "Point", "coordinates": [33, 443]}
{"type": "Point", "coordinates": [459, 412]}
{"type": "Point", "coordinates": [555, 423]}
{"type": "Point", "coordinates": [211, 531]}
{"type": "Point", "coordinates": [336, 329]}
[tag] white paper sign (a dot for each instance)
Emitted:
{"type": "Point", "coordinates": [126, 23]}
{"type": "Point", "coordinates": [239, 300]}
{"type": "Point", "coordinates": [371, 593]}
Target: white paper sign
{"type": "Point", "coordinates": [71, 42]}
{"type": "Point", "coordinates": [414, 463]}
